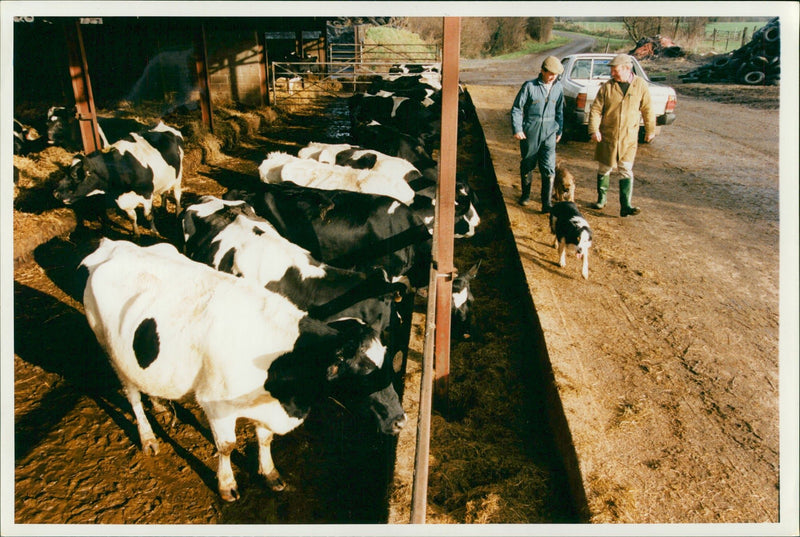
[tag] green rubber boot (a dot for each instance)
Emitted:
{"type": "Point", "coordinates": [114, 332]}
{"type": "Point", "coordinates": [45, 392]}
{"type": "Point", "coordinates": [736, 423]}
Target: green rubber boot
{"type": "Point", "coordinates": [602, 190]}
{"type": "Point", "coordinates": [625, 194]}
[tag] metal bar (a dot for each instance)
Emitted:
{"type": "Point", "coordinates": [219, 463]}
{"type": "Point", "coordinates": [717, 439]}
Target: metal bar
{"type": "Point", "coordinates": [437, 320]}
{"type": "Point", "coordinates": [82, 89]}
{"type": "Point", "coordinates": [419, 488]}
{"type": "Point", "coordinates": [445, 204]}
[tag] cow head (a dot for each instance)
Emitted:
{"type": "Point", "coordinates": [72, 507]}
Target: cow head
{"type": "Point", "coordinates": [344, 360]}
{"type": "Point", "coordinates": [466, 216]}
{"type": "Point", "coordinates": [462, 303]}
{"type": "Point", "coordinates": [80, 182]}
{"type": "Point", "coordinates": [62, 127]}
{"type": "Point", "coordinates": [364, 385]}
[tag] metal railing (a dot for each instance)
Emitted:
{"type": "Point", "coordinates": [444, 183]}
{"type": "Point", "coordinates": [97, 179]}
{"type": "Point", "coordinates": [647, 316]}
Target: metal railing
{"type": "Point", "coordinates": [300, 81]}
{"type": "Point", "coordinates": [387, 52]}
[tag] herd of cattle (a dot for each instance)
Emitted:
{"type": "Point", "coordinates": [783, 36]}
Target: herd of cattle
{"type": "Point", "coordinates": [282, 293]}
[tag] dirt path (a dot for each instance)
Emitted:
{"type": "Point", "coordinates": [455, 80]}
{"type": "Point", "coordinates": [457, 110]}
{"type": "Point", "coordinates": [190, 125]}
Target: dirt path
{"type": "Point", "coordinates": [666, 359]}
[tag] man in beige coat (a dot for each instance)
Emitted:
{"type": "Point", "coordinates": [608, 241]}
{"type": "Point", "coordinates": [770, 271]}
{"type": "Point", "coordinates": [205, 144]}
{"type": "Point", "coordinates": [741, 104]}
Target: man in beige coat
{"type": "Point", "coordinates": [614, 125]}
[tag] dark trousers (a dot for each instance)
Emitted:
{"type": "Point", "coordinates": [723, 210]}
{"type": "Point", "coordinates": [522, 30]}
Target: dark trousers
{"type": "Point", "coordinates": [544, 156]}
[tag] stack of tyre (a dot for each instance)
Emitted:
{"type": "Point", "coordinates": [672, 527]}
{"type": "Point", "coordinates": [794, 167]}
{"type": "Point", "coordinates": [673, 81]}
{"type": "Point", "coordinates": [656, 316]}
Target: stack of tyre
{"type": "Point", "coordinates": [758, 63]}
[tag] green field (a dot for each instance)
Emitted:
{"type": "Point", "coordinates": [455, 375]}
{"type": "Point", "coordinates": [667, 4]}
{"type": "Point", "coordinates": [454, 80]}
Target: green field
{"type": "Point", "coordinates": [612, 35]}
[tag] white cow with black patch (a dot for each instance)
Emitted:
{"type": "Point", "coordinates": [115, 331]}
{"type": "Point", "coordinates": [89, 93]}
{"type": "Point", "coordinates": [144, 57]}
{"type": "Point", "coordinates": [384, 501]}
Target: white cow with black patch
{"type": "Point", "coordinates": [172, 326]}
{"type": "Point", "coordinates": [279, 167]}
{"type": "Point", "coordinates": [130, 172]}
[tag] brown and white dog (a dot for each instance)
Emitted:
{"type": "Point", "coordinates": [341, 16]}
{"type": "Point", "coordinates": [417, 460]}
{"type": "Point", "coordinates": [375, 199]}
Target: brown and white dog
{"type": "Point", "coordinates": [563, 184]}
{"type": "Point", "coordinates": [570, 227]}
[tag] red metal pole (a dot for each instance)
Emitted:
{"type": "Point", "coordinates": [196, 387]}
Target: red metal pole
{"type": "Point", "coordinates": [445, 205]}
{"type": "Point", "coordinates": [437, 323]}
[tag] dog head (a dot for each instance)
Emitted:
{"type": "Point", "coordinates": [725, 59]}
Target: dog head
{"type": "Point", "coordinates": [564, 184]}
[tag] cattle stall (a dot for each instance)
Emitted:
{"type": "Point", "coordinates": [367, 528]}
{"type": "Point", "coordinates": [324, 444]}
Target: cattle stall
{"type": "Point", "coordinates": [339, 469]}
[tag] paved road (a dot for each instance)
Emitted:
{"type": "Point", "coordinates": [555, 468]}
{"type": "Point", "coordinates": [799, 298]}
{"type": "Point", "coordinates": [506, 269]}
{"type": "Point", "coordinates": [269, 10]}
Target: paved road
{"type": "Point", "coordinates": [492, 72]}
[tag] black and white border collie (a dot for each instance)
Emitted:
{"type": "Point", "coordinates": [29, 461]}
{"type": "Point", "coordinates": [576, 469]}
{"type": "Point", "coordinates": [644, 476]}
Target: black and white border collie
{"type": "Point", "coordinates": [570, 227]}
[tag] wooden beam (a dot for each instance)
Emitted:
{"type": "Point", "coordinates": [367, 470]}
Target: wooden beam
{"type": "Point", "coordinates": [201, 65]}
{"type": "Point", "coordinates": [445, 204]}
{"type": "Point", "coordinates": [82, 88]}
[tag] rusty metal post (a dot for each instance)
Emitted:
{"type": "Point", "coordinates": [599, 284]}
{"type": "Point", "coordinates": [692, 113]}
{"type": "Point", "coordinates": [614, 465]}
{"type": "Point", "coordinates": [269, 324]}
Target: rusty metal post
{"type": "Point", "coordinates": [82, 89]}
{"type": "Point", "coordinates": [201, 64]}
{"type": "Point", "coordinates": [445, 204]}
{"type": "Point", "coordinates": [437, 321]}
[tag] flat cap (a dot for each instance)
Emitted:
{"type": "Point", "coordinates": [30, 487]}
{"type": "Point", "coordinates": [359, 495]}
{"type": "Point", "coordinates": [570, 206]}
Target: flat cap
{"type": "Point", "coordinates": [621, 59]}
{"type": "Point", "coordinates": [552, 65]}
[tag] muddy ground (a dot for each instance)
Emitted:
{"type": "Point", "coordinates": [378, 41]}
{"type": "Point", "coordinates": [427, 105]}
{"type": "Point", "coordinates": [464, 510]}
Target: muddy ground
{"type": "Point", "coordinates": [666, 359]}
{"type": "Point", "coordinates": [77, 458]}
{"type": "Point", "coordinates": [681, 297]}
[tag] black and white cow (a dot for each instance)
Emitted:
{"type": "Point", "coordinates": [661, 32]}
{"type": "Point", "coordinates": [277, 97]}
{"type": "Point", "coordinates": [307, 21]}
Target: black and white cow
{"type": "Point", "coordinates": [280, 166]}
{"type": "Point", "coordinates": [408, 115]}
{"type": "Point", "coordinates": [392, 141]}
{"type": "Point", "coordinates": [230, 237]}
{"type": "Point", "coordinates": [423, 185]}
{"type": "Point", "coordinates": [461, 318]}
{"type": "Point", "coordinates": [172, 326]}
{"type": "Point", "coordinates": [63, 128]}
{"type": "Point", "coordinates": [345, 229]}
{"type": "Point", "coordinates": [130, 172]}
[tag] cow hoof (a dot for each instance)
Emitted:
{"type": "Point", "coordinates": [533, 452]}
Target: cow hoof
{"type": "Point", "coordinates": [229, 495]}
{"type": "Point", "coordinates": [150, 446]}
{"type": "Point", "coordinates": [275, 481]}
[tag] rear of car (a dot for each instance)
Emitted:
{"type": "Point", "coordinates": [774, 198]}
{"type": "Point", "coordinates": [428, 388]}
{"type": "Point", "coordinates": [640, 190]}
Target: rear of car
{"type": "Point", "coordinates": [585, 73]}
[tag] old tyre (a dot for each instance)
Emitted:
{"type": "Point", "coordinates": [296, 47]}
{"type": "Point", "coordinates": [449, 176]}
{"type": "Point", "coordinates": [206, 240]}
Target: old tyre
{"type": "Point", "coordinates": [772, 35]}
{"type": "Point", "coordinates": [754, 78]}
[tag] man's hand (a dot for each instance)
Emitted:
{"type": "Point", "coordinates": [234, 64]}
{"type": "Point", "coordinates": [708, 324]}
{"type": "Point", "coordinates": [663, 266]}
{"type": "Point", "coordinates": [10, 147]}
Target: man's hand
{"type": "Point", "coordinates": [520, 136]}
{"type": "Point", "coordinates": [649, 137]}
{"type": "Point", "coordinates": [558, 138]}
{"type": "Point", "coordinates": [596, 136]}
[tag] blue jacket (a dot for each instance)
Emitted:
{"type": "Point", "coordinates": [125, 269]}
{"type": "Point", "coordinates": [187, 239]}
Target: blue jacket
{"type": "Point", "coordinates": [537, 114]}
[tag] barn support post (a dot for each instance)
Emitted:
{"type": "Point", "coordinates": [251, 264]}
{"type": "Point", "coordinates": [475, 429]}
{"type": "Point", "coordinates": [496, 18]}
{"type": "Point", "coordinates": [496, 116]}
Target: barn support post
{"type": "Point", "coordinates": [82, 88]}
{"type": "Point", "coordinates": [201, 64]}
{"type": "Point", "coordinates": [436, 359]}
{"type": "Point", "coordinates": [263, 65]}
{"type": "Point", "coordinates": [445, 205]}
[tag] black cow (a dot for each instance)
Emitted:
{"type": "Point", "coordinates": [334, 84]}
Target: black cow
{"type": "Point", "coordinates": [130, 172]}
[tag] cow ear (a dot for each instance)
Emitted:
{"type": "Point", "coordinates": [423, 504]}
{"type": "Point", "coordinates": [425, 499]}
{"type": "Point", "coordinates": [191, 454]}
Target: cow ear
{"type": "Point", "coordinates": [473, 271]}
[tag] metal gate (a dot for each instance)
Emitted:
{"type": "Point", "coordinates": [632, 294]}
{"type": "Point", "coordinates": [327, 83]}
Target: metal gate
{"type": "Point", "coordinates": [351, 70]}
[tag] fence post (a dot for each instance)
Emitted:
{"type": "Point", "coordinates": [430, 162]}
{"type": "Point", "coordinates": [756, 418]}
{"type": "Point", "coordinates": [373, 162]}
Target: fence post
{"type": "Point", "coordinates": [744, 36]}
{"type": "Point", "coordinates": [714, 38]}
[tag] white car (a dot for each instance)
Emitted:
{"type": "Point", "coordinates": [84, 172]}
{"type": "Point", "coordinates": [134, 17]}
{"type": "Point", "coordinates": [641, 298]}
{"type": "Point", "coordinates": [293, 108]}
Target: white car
{"type": "Point", "coordinates": [584, 73]}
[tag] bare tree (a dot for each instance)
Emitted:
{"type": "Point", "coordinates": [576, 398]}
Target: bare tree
{"type": "Point", "coordinates": [541, 28]}
{"type": "Point", "coordinates": [687, 27]}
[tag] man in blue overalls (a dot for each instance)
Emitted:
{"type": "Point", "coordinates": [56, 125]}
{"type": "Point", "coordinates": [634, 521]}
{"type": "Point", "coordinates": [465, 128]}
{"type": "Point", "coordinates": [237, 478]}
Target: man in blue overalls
{"type": "Point", "coordinates": [537, 120]}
